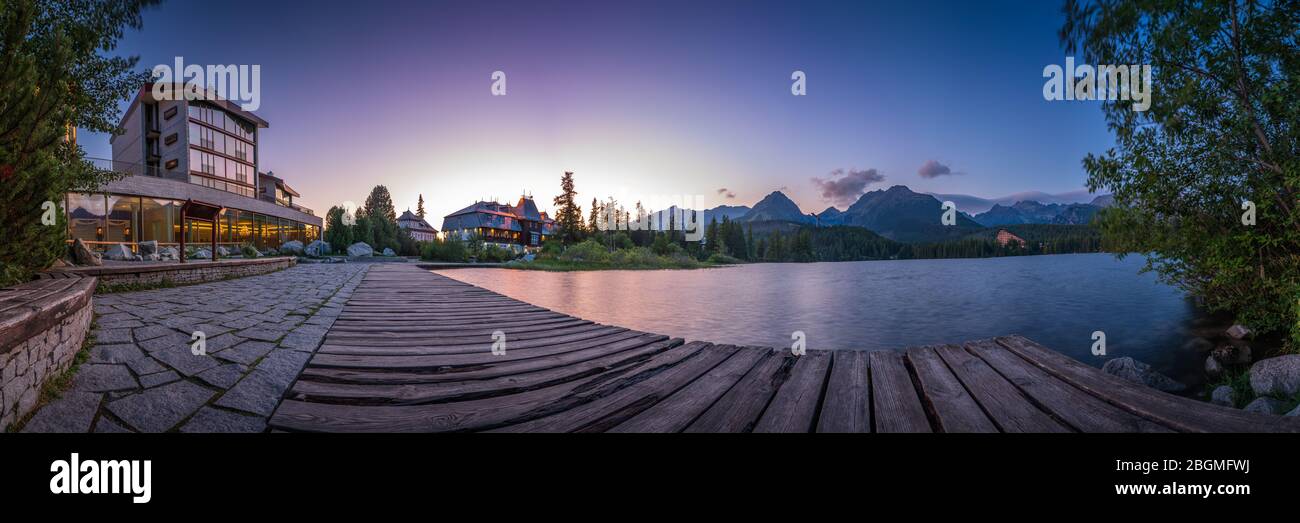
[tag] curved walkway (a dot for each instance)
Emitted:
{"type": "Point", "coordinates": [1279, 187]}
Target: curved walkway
{"type": "Point", "coordinates": [416, 351]}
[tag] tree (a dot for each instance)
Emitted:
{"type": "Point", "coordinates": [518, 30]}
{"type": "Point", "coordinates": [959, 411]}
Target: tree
{"type": "Point", "coordinates": [337, 234]}
{"type": "Point", "coordinates": [380, 204]}
{"type": "Point", "coordinates": [1221, 133]}
{"type": "Point", "coordinates": [419, 207]}
{"type": "Point", "coordinates": [593, 218]}
{"type": "Point", "coordinates": [569, 216]}
{"type": "Point", "coordinates": [53, 79]}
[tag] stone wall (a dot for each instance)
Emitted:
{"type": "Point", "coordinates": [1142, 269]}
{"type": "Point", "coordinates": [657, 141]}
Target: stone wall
{"type": "Point", "coordinates": [195, 271]}
{"type": "Point", "coordinates": [39, 338]}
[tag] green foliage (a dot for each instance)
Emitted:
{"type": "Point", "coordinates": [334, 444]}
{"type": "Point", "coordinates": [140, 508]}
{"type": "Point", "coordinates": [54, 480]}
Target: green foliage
{"type": "Point", "coordinates": [592, 254]}
{"type": "Point", "coordinates": [249, 251]}
{"type": "Point", "coordinates": [375, 224]}
{"type": "Point", "coordinates": [53, 77]}
{"type": "Point", "coordinates": [568, 215]}
{"type": "Point", "coordinates": [449, 250]}
{"type": "Point", "coordinates": [1221, 130]}
{"type": "Point", "coordinates": [338, 235]}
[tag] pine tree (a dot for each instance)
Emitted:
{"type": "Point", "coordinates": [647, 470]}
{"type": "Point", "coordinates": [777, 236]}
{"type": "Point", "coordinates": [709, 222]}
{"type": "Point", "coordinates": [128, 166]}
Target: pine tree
{"type": "Point", "coordinates": [569, 215]}
{"type": "Point", "coordinates": [419, 207]}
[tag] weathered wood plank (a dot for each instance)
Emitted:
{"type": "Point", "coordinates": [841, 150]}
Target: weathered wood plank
{"type": "Point", "coordinates": [1075, 407]}
{"type": "Point", "coordinates": [676, 412]}
{"type": "Point", "coordinates": [947, 401]}
{"type": "Point", "coordinates": [1006, 406]}
{"type": "Point", "coordinates": [738, 410]}
{"type": "Point", "coordinates": [897, 407]}
{"type": "Point", "coordinates": [1179, 413]}
{"type": "Point", "coordinates": [847, 407]}
{"type": "Point", "coordinates": [794, 408]}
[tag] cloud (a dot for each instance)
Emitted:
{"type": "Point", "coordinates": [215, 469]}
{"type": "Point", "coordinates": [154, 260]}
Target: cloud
{"type": "Point", "coordinates": [934, 169]}
{"type": "Point", "coordinates": [844, 188]}
{"type": "Point", "coordinates": [728, 194]}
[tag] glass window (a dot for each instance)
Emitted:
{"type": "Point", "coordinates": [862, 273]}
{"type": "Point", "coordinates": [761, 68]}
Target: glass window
{"type": "Point", "coordinates": [198, 232]}
{"type": "Point", "coordinates": [86, 216]}
{"type": "Point", "coordinates": [156, 220]}
{"type": "Point", "coordinates": [124, 213]}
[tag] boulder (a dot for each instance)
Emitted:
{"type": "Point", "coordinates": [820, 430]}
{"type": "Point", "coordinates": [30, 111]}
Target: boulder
{"type": "Point", "coordinates": [152, 257]}
{"type": "Point", "coordinates": [291, 247]}
{"type": "Point", "coordinates": [1213, 367]}
{"type": "Point", "coordinates": [530, 257]}
{"type": "Point", "coordinates": [1266, 405]}
{"type": "Point", "coordinates": [1223, 395]}
{"type": "Point", "coordinates": [1234, 352]}
{"type": "Point", "coordinates": [148, 247]}
{"type": "Point", "coordinates": [1278, 376]}
{"type": "Point", "coordinates": [318, 248]}
{"type": "Point", "coordinates": [360, 249]}
{"type": "Point", "coordinates": [169, 254]}
{"type": "Point", "coordinates": [223, 252]}
{"type": "Point", "coordinates": [389, 252]}
{"type": "Point", "coordinates": [82, 255]}
{"type": "Point", "coordinates": [119, 252]}
{"type": "Point", "coordinates": [202, 254]}
{"type": "Point", "coordinates": [1238, 332]}
{"type": "Point", "coordinates": [1198, 344]}
{"type": "Point", "coordinates": [270, 252]}
{"type": "Point", "coordinates": [1294, 412]}
{"type": "Point", "coordinates": [1138, 372]}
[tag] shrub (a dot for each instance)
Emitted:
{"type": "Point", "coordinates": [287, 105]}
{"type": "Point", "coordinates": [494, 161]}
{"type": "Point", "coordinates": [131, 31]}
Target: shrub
{"type": "Point", "coordinates": [249, 251]}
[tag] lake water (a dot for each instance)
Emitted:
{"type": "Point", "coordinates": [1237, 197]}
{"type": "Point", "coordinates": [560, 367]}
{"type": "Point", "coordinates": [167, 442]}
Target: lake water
{"type": "Point", "coordinates": [1057, 301]}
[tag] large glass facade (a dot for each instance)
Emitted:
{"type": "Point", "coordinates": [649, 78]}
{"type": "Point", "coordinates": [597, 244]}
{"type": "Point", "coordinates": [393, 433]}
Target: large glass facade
{"type": "Point", "coordinates": [103, 220]}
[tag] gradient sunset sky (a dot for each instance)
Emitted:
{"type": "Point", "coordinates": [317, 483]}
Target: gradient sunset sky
{"type": "Point", "coordinates": [661, 98]}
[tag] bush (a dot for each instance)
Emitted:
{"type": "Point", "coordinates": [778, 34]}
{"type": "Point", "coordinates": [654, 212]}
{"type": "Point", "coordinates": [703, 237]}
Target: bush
{"type": "Point", "coordinates": [589, 251]}
{"type": "Point", "coordinates": [722, 259]}
{"type": "Point", "coordinates": [249, 251]}
{"type": "Point", "coordinates": [449, 250]}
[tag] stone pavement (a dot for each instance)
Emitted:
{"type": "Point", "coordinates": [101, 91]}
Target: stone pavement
{"type": "Point", "coordinates": [142, 374]}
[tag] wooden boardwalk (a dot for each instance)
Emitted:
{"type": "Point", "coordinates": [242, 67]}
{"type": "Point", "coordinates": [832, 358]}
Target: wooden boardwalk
{"type": "Point", "coordinates": [411, 351]}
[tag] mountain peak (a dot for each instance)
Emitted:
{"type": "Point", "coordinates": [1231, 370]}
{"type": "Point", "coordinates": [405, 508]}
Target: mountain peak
{"type": "Point", "coordinates": [776, 206]}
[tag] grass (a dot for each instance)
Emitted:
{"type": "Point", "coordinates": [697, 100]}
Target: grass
{"type": "Point", "coordinates": [110, 288]}
{"type": "Point", "coordinates": [56, 385]}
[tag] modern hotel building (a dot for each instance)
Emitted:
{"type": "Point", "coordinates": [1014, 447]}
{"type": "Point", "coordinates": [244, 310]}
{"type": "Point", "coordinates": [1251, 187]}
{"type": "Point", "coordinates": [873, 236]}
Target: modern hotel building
{"type": "Point", "coordinates": [204, 152]}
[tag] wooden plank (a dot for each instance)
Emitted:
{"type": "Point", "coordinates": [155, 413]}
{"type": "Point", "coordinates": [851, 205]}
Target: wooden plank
{"type": "Point", "coordinates": [478, 414]}
{"type": "Point", "coordinates": [585, 332]}
{"type": "Point", "coordinates": [1075, 407]}
{"type": "Point", "coordinates": [1004, 403]}
{"type": "Point", "coordinates": [433, 362]}
{"type": "Point", "coordinates": [677, 411]}
{"type": "Point", "coordinates": [610, 405]}
{"type": "Point", "coordinates": [847, 407]}
{"type": "Point", "coordinates": [397, 393]}
{"type": "Point", "coordinates": [739, 409]}
{"type": "Point", "coordinates": [893, 398]}
{"type": "Point", "coordinates": [951, 407]}
{"type": "Point", "coordinates": [1179, 413]}
{"type": "Point", "coordinates": [794, 407]}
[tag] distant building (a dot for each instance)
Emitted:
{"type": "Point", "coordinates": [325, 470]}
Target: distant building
{"type": "Point", "coordinates": [420, 230]}
{"type": "Point", "coordinates": [1005, 237]}
{"type": "Point", "coordinates": [517, 227]}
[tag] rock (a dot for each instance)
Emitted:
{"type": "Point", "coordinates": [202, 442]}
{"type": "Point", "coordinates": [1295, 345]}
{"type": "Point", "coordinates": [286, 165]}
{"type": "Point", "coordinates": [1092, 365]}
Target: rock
{"type": "Point", "coordinates": [318, 248]}
{"type": "Point", "coordinates": [360, 249]}
{"type": "Point", "coordinates": [148, 247]}
{"type": "Point", "coordinates": [1278, 376]}
{"type": "Point", "coordinates": [1213, 367]}
{"type": "Point", "coordinates": [270, 252]}
{"type": "Point", "coordinates": [169, 254]}
{"type": "Point", "coordinates": [153, 257]}
{"type": "Point", "coordinates": [82, 254]}
{"type": "Point", "coordinates": [202, 254]}
{"type": "Point", "coordinates": [1294, 412]}
{"type": "Point", "coordinates": [291, 247]}
{"type": "Point", "coordinates": [1198, 344]}
{"type": "Point", "coordinates": [1138, 372]}
{"type": "Point", "coordinates": [389, 252]}
{"type": "Point", "coordinates": [1238, 331]}
{"type": "Point", "coordinates": [1232, 353]}
{"type": "Point", "coordinates": [530, 257]}
{"type": "Point", "coordinates": [1223, 395]}
{"type": "Point", "coordinates": [1266, 405]}
{"type": "Point", "coordinates": [223, 252]}
{"type": "Point", "coordinates": [119, 252]}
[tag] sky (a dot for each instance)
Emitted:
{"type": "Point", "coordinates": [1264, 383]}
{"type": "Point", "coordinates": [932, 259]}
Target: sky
{"type": "Point", "coordinates": [642, 101]}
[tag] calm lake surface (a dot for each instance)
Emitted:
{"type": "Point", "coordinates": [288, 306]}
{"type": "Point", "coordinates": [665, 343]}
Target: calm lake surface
{"type": "Point", "coordinates": [1057, 301]}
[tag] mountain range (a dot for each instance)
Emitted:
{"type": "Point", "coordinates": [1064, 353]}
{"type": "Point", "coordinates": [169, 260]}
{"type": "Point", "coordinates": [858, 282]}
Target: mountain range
{"type": "Point", "coordinates": [900, 214]}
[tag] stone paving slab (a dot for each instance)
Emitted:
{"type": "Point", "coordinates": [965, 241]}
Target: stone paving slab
{"type": "Point", "coordinates": [143, 376]}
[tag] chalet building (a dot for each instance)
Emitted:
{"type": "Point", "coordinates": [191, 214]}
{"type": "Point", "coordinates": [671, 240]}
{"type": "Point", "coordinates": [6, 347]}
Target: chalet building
{"type": "Point", "coordinates": [419, 229]}
{"type": "Point", "coordinates": [192, 175]}
{"type": "Point", "coordinates": [518, 227]}
{"type": "Point", "coordinates": [1005, 237]}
